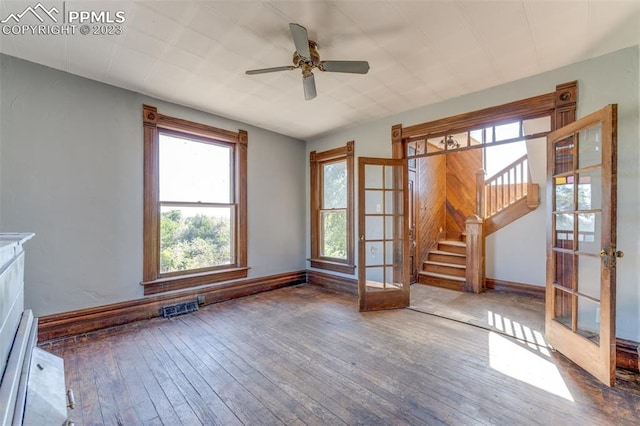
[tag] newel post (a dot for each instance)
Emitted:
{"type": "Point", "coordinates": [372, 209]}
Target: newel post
{"type": "Point", "coordinates": [475, 254]}
{"type": "Point", "coordinates": [480, 193]}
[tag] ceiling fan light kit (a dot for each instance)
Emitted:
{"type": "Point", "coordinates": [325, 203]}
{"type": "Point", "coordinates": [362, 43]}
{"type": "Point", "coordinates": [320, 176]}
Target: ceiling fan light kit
{"type": "Point", "coordinates": [306, 58]}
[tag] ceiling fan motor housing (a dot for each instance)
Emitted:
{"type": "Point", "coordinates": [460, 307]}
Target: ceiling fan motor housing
{"type": "Point", "coordinates": [307, 64]}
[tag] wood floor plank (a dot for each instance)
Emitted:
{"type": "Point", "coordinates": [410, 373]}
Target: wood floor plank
{"type": "Point", "coordinates": [163, 379]}
{"type": "Point", "coordinates": [149, 400]}
{"type": "Point", "coordinates": [378, 381]}
{"type": "Point", "coordinates": [270, 365]}
{"type": "Point", "coordinates": [304, 355]}
{"type": "Point", "coordinates": [207, 405]}
{"type": "Point", "coordinates": [256, 384]}
{"type": "Point", "coordinates": [243, 404]}
{"type": "Point", "coordinates": [293, 388]}
{"type": "Point", "coordinates": [372, 390]}
{"type": "Point", "coordinates": [115, 401]}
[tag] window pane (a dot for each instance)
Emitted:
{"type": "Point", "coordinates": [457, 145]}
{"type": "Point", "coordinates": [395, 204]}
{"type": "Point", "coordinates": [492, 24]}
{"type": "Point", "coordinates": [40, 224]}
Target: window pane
{"type": "Point", "coordinates": [334, 234]}
{"type": "Point", "coordinates": [564, 151]}
{"type": "Point", "coordinates": [589, 190]}
{"type": "Point", "coordinates": [564, 193]}
{"type": "Point", "coordinates": [192, 171]}
{"type": "Point", "coordinates": [373, 202]}
{"type": "Point", "coordinates": [195, 237]}
{"type": "Point", "coordinates": [477, 136]}
{"type": "Point", "coordinates": [334, 185]}
{"type": "Point", "coordinates": [507, 131]}
{"type": "Point", "coordinates": [589, 319]}
{"type": "Point", "coordinates": [590, 146]}
{"type": "Point", "coordinates": [536, 125]}
{"type": "Point", "coordinates": [373, 253]}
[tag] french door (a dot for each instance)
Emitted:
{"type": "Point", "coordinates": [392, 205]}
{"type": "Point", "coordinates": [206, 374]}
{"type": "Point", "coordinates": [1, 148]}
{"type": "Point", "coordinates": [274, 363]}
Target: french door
{"type": "Point", "coordinates": [581, 254]}
{"type": "Point", "coordinates": [383, 274]}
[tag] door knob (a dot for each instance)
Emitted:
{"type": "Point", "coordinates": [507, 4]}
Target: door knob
{"type": "Point", "coordinates": [610, 254]}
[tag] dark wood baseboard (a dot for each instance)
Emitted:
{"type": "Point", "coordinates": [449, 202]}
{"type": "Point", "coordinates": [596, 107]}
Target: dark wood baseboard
{"type": "Point", "coordinates": [333, 282]}
{"type": "Point", "coordinates": [82, 321]}
{"type": "Point", "coordinates": [627, 355]}
{"type": "Point", "coordinates": [518, 288]}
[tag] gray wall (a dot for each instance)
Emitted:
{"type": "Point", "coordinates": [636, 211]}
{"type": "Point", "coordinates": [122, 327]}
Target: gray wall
{"type": "Point", "coordinates": [71, 171]}
{"type": "Point", "coordinates": [516, 253]}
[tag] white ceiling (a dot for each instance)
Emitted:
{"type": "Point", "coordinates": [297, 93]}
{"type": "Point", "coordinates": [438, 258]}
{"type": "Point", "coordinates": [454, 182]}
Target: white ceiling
{"type": "Point", "coordinates": [420, 52]}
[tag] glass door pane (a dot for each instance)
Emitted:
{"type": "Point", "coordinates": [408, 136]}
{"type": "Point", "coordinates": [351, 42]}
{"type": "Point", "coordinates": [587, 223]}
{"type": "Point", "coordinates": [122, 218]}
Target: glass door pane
{"type": "Point", "coordinates": [581, 287]}
{"type": "Point", "coordinates": [383, 281]}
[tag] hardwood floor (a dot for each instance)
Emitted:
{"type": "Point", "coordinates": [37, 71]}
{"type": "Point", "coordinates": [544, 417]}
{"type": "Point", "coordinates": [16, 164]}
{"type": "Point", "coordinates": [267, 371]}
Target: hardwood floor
{"type": "Point", "coordinates": [513, 314]}
{"type": "Point", "coordinates": [305, 355]}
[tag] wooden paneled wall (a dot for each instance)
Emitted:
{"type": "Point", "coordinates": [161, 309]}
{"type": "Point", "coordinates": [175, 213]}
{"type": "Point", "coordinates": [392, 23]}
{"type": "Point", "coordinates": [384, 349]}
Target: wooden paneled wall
{"type": "Point", "coordinates": [461, 168]}
{"type": "Point", "coordinates": [430, 199]}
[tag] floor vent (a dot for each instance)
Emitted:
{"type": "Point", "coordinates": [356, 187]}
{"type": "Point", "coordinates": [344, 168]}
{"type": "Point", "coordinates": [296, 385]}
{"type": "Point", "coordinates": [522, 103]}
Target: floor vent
{"type": "Point", "coordinates": [179, 309]}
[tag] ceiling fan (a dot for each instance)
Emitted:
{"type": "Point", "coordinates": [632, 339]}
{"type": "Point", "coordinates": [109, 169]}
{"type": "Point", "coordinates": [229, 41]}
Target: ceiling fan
{"type": "Point", "coordinates": [306, 58]}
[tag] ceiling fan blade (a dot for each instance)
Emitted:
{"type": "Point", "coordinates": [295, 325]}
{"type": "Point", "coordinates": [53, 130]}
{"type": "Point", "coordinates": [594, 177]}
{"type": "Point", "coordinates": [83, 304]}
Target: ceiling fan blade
{"type": "Point", "coordinates": [309, 84]}
{"type": "Point", "coordinates": [300, 39]}
{"type": "Point", "coordinates": [353, 67]}
{"type": "Point", "coordinates": [274, 69]}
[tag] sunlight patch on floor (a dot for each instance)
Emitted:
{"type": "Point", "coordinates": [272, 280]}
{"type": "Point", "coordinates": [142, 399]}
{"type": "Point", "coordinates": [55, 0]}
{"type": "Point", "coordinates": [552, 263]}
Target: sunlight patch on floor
{"type": "Point", "coordinates": [533, 338]}
{"type": "Point", "coordinates": [528, 362]}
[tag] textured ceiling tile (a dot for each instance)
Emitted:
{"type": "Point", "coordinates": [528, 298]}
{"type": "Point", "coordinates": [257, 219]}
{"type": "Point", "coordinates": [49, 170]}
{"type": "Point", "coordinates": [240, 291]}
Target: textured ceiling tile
{"type": "Point", "coordinates": [193, 42]}
{"type": "Point", "coordinates": [47, 51]}
{"type": "Point", "coordinates": [182, 59]}
{"type": "Point", "coordinates": [612, 27]}
{"type": "Point", "coordinates": [152, 23]}
{"type": "Point", "coordinates": [210, 23]}
{"type": "Point", "coordinates": [129, 68]}
{"type": "Point", "coordinates": [142, 42]}
{"type": "Point", "coordinates": [196, 53]}
{"type": "Point", "coordinates": [81, 48]}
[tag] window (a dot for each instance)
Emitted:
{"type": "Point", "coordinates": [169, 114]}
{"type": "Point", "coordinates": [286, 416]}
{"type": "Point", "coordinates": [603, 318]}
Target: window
{"type": "Point", "coordinates": [332, 209]}
{"type": "Point", "coordinates": [194, 203]}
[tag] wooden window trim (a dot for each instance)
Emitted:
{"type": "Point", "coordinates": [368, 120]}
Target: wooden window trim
{"type": "Point", "coordinates": [152, 280]}
{"type": "Point", "coordinates": [316, 160]}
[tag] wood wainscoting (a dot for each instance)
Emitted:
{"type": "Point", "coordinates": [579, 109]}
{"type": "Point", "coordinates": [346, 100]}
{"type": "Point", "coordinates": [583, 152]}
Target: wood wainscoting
{"type": "Point", "coordinates": [82, 321]}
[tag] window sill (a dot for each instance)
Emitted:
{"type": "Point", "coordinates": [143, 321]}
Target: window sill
{"type": "Point", "coordinates": [172, 283]}
{"type": "Point", "coordinates": [333, 266]}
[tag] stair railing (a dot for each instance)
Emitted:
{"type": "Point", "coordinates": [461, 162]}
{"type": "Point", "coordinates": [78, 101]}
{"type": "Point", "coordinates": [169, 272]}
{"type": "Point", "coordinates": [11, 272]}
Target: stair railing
{"type": "Point", "coordinates": [502, 189]}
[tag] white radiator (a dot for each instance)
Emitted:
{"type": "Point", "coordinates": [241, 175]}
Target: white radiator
{"type": "Point", "coordinates": [32, 389]}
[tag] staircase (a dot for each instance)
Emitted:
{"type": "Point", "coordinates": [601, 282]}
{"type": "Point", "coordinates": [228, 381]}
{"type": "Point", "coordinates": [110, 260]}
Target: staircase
{"type": "Point", "coordinates": [445, 265]}
{"type": "Point", "coordinates": [501, 199]}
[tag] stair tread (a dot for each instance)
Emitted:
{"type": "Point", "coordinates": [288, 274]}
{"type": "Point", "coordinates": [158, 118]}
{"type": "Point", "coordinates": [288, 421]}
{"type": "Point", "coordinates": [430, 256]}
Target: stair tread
{"type": "Point", "coordinates": [444, 276]}
{"type": "Point", "coordinates": [453, 243]}
{"type": "Point", "coordinates": [449, 253]}
{"type": "Point", "coordinates": [452, 265]}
